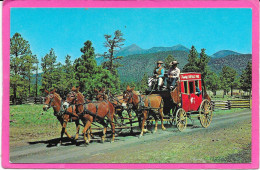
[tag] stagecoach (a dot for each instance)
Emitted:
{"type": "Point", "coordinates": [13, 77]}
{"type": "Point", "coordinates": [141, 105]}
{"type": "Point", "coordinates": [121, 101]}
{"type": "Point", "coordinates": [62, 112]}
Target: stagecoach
{"type": "Point", "coordinates": [187, 98]}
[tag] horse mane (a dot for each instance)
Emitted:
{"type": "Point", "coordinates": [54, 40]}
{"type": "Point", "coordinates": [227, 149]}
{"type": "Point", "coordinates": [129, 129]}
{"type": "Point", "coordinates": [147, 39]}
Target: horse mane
{"type": "Point", "coordinates": [134, 92]}
{"type": "Point", "coordinates": [81, 95]}
{"type": "Point", "coordinates": [57, 95]}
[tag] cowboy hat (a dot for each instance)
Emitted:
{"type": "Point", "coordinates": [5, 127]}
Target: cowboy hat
{"type": "Point", "coordinates": [159, 62]}
{"type": "Point", "coordinates": [174, 63]}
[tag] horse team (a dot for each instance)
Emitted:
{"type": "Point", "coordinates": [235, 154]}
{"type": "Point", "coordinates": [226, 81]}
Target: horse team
{"type": "Point", "coordinates": [104, 110]}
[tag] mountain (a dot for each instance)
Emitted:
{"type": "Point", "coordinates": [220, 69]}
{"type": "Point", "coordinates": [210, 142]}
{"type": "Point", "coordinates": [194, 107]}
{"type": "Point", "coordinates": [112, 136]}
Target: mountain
{"type": "Point", "coordinates": [134, 49]}
{"type": "Point", "coordinates": [130, 50]}
{"type": "Point", "coordinates": [238, 62]}
{"type": "Point", "coordinates": [173, 48]}
{"type": "Point", "coordinates": [136, 65]}
{"type": "Point", "coordinates": [224, 53]}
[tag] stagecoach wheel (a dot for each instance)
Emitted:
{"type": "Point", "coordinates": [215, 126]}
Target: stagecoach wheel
{"type": "Point", "coordinates": [181, 119]}
{"type": "Point", "coordinates": [205, 113]}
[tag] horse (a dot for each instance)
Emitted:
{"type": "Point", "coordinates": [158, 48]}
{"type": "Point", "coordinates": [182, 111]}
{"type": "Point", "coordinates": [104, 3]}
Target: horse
{"type": "Point", "coordinates": [54, 100]}
{"type": "Point", "coordinates": [145, 104]}
{"type": "Point", "coordinates": [118, 102]}
{"type": "Point", "coordinates": [91, 112]}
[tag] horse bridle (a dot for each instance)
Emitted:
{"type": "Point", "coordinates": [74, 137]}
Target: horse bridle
{"type": "Point", "coordinates": [73, 102]}
{"type": "Point", "coordinates": [51, 100]}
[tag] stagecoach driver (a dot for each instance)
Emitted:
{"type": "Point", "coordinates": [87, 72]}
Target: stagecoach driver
{"type": "Point", "coordinates": [173, 75]}
{"type": "Point", "coordinates": [159, 74]}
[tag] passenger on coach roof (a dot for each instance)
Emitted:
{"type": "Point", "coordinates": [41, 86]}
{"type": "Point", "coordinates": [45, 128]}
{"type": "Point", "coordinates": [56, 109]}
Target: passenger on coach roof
{"type": "Point", "coordinates": [172, 75]}
{"type": "Point", "coordinates": [159, 74]}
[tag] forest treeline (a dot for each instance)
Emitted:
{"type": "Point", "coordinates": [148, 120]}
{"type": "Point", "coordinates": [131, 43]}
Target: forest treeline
{"type": "Point", "coordinates": [25, 80]}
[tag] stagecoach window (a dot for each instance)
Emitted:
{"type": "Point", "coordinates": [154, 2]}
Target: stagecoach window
{"type": "Point", "coordinates": [186, 87]}
{"type": "Point", "coordinates": [191, 85]}
{"type": "Point", "coordinates": [197, 83]}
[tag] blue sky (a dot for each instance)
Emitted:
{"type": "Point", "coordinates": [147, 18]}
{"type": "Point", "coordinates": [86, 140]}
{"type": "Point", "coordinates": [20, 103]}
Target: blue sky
{"type": "Point", "coordinates": [66, 29]}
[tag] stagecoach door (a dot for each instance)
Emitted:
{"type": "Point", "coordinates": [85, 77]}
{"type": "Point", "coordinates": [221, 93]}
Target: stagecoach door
{"type": "Point", "coordinates": [195, 98]}
{"type": "Point", "coordinates": [185, 96]}
{"type": "Point", "coordinates": [190, 100]}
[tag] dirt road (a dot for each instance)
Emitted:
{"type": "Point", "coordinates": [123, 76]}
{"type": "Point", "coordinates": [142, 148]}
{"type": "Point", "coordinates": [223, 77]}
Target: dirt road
{"type": "Point", "coordinates": [227, 137]}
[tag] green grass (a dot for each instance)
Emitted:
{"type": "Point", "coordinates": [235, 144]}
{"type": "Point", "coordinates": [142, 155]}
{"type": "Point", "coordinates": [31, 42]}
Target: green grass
{"type": "Point", "coordinates": [219, 112]}
{"type": "Point", "coordinates": [31, 115]}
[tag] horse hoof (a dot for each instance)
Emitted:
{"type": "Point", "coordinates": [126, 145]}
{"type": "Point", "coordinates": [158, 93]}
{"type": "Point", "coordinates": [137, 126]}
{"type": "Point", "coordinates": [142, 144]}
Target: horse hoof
{"type": "Point", "coordinates": [112, 141]}
{"type": "Point", "coordinates": [163, 128]}
{"type": "Point", "coordinates": [58, 144]}
{"type": "Point", "coordinates": [140, 136]}
{"type": "Point", "coordinates": [154, 131]}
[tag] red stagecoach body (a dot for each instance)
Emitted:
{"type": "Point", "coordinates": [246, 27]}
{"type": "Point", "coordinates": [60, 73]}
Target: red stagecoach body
{"type": "Point", "coordinates": [190, 99]}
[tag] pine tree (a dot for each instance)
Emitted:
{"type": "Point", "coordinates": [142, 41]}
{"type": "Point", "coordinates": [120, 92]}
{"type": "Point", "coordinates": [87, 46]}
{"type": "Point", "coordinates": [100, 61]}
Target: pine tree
{"type": "Point", "coordinates": [246, 78]}
{"type": "Point", "coordinates": [144, 82]}
{"type": "Point", "coordinates": [168, 60]}
{"type": "Point", "coordinates": [193, 61]}
{"type": "Point", "coordinates": [86, 68]}
{"type": "Point", "coordinates": [113, 44]}
{"type": "Point", "coordinates": [227, 77]}
{"type": "Point", "coordinates": [21, 66]}
{"type": "Point", "coordinates": [212, 82]}
{"type": "Point", "coordinates": [50, 71]}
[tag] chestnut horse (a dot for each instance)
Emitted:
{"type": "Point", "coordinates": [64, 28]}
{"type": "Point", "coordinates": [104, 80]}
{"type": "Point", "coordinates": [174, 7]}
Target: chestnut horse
{"type": "Point", "coordinates": [54, 100]}
{"type": "Point", "coordinates": [91, 112]}
{"type": "Point", "coordinates": [145, 104]}
{"type": "Point", "coordinates": [117, 101]}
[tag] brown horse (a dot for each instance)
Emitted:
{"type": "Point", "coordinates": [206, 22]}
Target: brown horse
{"type": "Point", "coordinates": [91, 112]}
{"type": "Point", "coordinates": [117, 101]}
{"type": "Point", "coordinates": [54, 100]}
{"type": "Point", "coordinates": [145, 104]}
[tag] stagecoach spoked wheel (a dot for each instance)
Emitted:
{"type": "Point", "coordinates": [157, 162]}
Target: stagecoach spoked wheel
{"type": "Point", "coordinates": [181, 119]}
{"type": "Point", "coordinates": [205, 113]}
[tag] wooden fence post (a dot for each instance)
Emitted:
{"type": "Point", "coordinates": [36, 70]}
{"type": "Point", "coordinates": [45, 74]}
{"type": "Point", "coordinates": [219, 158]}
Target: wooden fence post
{"type": "Point", "coordinates": [229, 104]}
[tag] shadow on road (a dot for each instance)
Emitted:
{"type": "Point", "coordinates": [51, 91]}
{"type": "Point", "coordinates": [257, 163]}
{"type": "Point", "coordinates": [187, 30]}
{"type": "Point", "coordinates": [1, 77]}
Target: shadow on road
{"type": "Point", "coordinates": [96, 138]}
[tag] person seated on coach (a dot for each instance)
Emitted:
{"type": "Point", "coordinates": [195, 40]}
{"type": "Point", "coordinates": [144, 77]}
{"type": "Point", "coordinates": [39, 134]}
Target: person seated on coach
{"type": "Point", "coordinates": [159, 74]}
{"type": "Point", "coordinates": [172, 75]}
{"type": "Point", "coordinates": [198, 92]}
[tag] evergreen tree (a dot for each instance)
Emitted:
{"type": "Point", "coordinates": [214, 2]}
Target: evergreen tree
{"type": "Point", "coordinates": [21, 67]}
{"type": "Point", "coordinates": [168, 60]}
{"type": "Point", "coordinates": [203, 64]}
{"type": "Point", "coordinates": [193, 61]}
{"type": "Point", "coordinates": [246, 78]}
{"type": "Point", "coordinates": [86, 68]}
{"type": "Point", "coordinates": [67, 77]}
{"type": "Point", "coordinates": [212, 82]}
{"type": "Point", "coordinates": [227, 77]}
{"type": "Point", "coordinates": [144, 82]}
{"type": "Point", "coordinates": [50, 74]}
{"type": "Point", "coordinates": [113, 44]}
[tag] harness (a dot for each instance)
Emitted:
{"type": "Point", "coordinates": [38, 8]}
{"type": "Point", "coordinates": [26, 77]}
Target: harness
{"type": "Point", "coordinates": [141, 103]}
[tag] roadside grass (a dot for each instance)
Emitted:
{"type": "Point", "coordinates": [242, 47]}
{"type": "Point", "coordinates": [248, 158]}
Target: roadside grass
{"type": "Point", "coordinates": [225, 145]}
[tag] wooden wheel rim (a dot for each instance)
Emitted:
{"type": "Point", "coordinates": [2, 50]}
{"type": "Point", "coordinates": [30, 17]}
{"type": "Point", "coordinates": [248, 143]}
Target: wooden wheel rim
{"type": "Point", "coordinates": [205, 113]}
{"type": "Point", "coordinates": [181, 119]}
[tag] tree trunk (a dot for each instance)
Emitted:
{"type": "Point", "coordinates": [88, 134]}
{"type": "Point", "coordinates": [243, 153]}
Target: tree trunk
{"type": "Point", "coordinates": [231, 90]}
{"type": "Point", "coordinates": [14, 98]}
{"type": "Point", "coordinates": [29, 85]}
{"type": "Point", "coordinates": [36, 81]}
{"type": "Point", "coordinates": [214, 92]}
